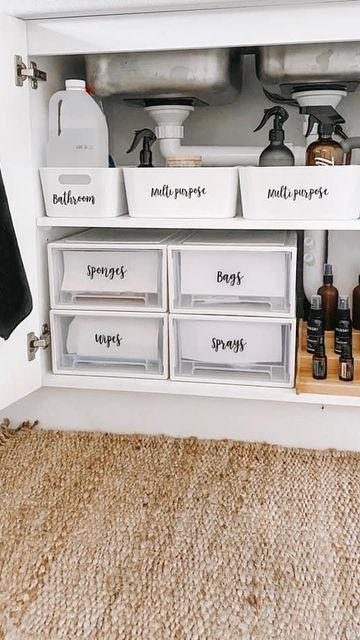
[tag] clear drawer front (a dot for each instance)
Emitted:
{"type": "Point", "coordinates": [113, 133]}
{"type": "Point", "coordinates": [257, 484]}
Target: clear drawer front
{"type": "Point", "coordinates": [109, 344]}
{"type": "Point", "coordinates": [234, 350]}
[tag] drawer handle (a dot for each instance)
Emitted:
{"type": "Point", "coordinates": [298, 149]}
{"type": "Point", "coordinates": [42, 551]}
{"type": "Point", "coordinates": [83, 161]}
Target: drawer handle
{"type": "Point", "coordinates": [74, 178]}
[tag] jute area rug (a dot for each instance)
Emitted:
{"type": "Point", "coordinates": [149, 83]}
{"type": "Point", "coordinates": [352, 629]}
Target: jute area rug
{"type": "Point", "coordinates": [130, 537]}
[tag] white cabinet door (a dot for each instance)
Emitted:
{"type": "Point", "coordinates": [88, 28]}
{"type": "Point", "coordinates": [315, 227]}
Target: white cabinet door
{"type": "Point", "coordinates": [18, 377]}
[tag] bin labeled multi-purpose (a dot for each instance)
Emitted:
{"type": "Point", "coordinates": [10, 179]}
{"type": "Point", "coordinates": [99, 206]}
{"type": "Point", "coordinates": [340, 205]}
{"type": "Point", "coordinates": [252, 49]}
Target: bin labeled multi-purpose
{"type": "Point", "coordinates": [234, 350]}
{"type": "Point", "coordinates": [232, 272]}
{"type": "Point", "coordinates": [110, 344]}
{"type": "Point", "coordinates": [110, 269]}
{"type": "Point", "coordinates": [186, 192]}
{"type": "Point", "coordinates": [300, 193]}
{"type": "Point", "coordinates": [83, 193]}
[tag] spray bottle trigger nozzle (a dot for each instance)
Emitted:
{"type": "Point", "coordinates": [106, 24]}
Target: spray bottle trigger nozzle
{"type": "Point", "coordinates": [311, 122]}
{"type": "Point", "coordinates": [142, 134]}
{"type": "Point", "coordinates": [280, 116]}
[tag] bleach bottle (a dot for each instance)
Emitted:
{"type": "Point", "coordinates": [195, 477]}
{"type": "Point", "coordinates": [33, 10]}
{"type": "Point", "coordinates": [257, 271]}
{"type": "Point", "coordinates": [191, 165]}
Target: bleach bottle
{"type": "Point", "coordinates": [78, 133]}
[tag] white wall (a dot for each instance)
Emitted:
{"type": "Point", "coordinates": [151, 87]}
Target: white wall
{"type": "Point", "coordinates": [288, 424]}
{"type": "Point", "coordinates": [311, 426]}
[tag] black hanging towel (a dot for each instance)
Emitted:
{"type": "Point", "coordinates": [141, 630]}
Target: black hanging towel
{"type": "Point", "coordinates": [15, 295]}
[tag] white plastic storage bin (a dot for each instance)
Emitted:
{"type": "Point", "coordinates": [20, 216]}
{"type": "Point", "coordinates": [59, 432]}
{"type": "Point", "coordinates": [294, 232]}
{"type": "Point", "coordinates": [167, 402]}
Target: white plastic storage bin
{"type": "Point", "coordinates": [100, 343]}
{"type": "Point", "coordinates": [186, 192]}
{"type": "Point", "coordinates": [83, 193]}
{"type": "Point", "coordinates": [111, 270]}
{"type": "Point", "coordinates": [300, 193]}
{"type": "Point", "coordinates": [234, 350]}
{"type": "Point", "coordinates": [234, 272]}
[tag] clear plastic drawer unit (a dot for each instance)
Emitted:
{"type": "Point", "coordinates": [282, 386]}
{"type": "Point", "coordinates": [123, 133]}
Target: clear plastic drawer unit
{"type": "Point", "coordinates": [110, 344]}
{"type": "Point", "coordinates": [110, 269]}
{"type": "Point", "coordinates": [234, 350]}
{"type": "Point", "coordinates": [232, 272]}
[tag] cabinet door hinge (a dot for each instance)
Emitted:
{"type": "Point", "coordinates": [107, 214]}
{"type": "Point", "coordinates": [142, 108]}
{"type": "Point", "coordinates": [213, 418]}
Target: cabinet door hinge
{"type": "Point", "coordinates": [34, 343]}
{"type": "Point", "coordinates": [22, 72]}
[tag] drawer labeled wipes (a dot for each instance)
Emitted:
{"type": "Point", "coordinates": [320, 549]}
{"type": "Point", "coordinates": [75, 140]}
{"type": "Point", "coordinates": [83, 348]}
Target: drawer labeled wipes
{"type": "Point", "coordinates": [120, 338]}
{"type": "Point", "coordinates": [110, 272]}
{"type": "Point", "coordinates": [230, 343]}
{"type": "Point", "coordinates": [233, 273]}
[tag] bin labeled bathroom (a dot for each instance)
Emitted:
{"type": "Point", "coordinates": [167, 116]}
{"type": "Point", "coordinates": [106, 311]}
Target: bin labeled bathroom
{"type": "Point", "coordinates": [77, 180]}
{"type": "Point", "coordinates": [101, 343]}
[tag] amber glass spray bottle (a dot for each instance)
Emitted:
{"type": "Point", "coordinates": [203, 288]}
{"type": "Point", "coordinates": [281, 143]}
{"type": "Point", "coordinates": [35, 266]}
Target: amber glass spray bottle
{"type": "Point", "coordinates": [329, 299]}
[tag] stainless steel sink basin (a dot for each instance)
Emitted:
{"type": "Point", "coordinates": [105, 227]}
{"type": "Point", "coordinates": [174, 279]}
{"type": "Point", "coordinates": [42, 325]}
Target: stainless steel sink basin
{"type": "Point", "coordinates": [334, 62]}
{"type": "Point", "coordinates": [212, 76]}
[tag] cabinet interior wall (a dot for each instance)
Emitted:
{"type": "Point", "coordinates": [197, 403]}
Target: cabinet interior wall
{"type": "Point", "coordinates": [230, 124]}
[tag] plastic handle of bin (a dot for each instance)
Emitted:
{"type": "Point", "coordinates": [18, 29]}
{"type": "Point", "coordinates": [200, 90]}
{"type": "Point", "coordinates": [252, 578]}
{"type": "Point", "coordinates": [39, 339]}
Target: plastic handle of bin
{"type": "Point", "coordinates": [75, 178]}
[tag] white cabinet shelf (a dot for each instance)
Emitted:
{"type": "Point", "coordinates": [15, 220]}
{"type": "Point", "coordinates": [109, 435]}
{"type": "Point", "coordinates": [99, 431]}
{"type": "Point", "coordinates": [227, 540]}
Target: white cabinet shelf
{"type": "Point", "coordinates": [184, 223]}
{"type": "Point", "coordinates": [170, 387]}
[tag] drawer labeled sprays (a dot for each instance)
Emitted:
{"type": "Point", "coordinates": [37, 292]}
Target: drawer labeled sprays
{"type": "Point", "coordinates": [232, 349]}
{"type": "Point", "coordinates": [105, 343]}
{"type": "Point", "coordinates": [229, 272]}
{"type": "Point", "coordinates": [110, 270]}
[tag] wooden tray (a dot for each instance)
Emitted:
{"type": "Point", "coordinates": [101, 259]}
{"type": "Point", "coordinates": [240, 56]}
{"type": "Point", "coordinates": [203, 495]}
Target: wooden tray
{"type": "Point", "coordinates": [305, 383]}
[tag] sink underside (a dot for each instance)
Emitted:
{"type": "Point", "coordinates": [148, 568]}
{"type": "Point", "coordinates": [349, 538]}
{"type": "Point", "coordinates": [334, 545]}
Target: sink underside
{"type": "Point", "coordinates": [211, 76]}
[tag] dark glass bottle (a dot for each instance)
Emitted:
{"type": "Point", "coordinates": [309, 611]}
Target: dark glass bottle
{"type": "Point", "coordinates": [346, 364]}
{"type": "Point", "coordinates": [356, 306]}
{"type": "Point", "coordinates": [329, 299]}
{"type": "Point", "coordinates": [319, 362]}
{"type": "Point", "coordinates": [315, 325]}
{"type": "Point", "coordinates": [324, 152]}
{"type": "Point", "coordinates": [343, 328]}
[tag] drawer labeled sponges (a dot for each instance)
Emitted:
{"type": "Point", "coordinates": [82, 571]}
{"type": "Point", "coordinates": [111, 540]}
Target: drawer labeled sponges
{"type": "Point", "coordinates": [229, 272]}
{"type": "Point", "coordinates": [110, 344]}
{"type": "Point", "coordinates": [110, 270]}
{"type": "Point", "coordinates": [234, 350]}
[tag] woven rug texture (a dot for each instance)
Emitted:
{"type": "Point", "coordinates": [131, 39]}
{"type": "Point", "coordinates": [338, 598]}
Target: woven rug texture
{"type": "Point", "coordinates": [155, 538]}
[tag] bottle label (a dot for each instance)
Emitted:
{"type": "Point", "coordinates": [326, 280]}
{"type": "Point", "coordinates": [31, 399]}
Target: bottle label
{"type": "Point", "coordinates": [314, 332]}
{"type": "Point", "coordinates": [319, 368]}
{"type": "Point", "coordinates": [324, 162]}
{"type": "Point", "coordinates": [343, 336]}
{"type": "Point", "coordinates": [346, 371]}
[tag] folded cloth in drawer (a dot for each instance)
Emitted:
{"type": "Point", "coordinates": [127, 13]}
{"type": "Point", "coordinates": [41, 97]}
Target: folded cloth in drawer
{"type": "Point", "coordinates": [121, 338]}
{"type": "Point", "coordinates": [110, 272]}
{"type": "Point", "coordinates": [229, 343]}
{"type": "Point", "coordinates": [239, 273]}
{"type": "Point", "coordinates": [233, 273]}
{"type": "Point", "coordinates": [232, 349]}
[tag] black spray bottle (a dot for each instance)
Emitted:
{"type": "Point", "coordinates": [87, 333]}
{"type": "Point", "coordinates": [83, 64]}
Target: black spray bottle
{"type": "Point", "coordinates": [315, 325]}
{"type": "Point", "coordinates": [343, 328]}
{"type": "Point", "coordinates": [276, 154]}
{"type": "Point", "coordinates": [148, 138]}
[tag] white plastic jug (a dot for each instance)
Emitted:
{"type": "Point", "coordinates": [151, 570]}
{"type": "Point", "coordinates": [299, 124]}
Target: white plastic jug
{"type": "Point", "coordinates": [78, 133]}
